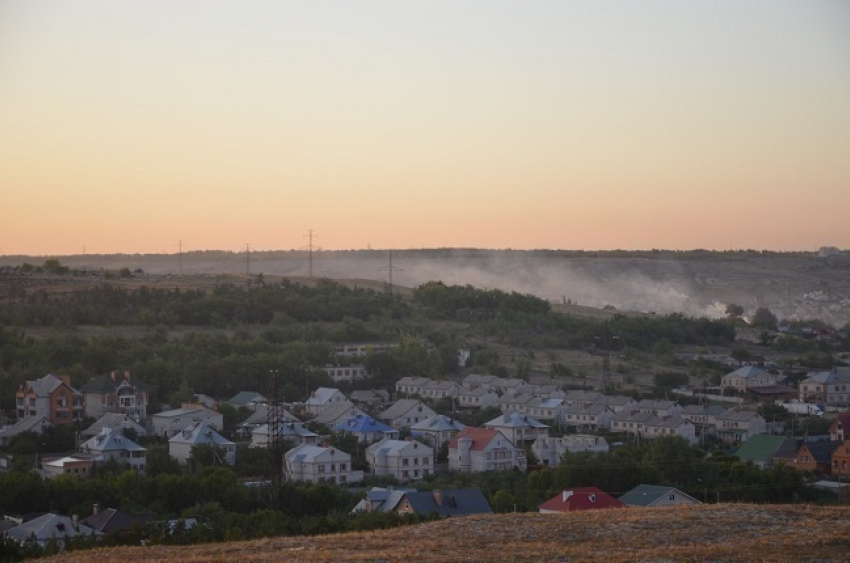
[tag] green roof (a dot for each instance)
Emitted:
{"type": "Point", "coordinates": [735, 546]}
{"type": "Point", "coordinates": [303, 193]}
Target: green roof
{"type": "Point", "coordinates": [760, 448]}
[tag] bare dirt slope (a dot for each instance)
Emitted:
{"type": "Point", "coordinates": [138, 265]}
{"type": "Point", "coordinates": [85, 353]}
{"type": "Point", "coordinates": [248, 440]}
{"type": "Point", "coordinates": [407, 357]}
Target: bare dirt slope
{"type": "Point", "coordinates": [725, 532]}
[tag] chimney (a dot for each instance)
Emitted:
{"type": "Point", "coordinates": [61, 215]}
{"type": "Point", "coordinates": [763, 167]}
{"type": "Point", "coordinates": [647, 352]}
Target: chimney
{"type": "Point", "coordinates": [66, 379]}
{"type": "Point", "coordinates": [127, 375]}
{"type": "Point", "coordinates": [438, 497]}
{"type": "Point", "coordinates": [76, 521]}
{"type": "Point", "coordinates": [95, 509]}
{"type": "Point", "coordinates": [566, 495]}
{"type": "Point", "coordinates": [113, 376]}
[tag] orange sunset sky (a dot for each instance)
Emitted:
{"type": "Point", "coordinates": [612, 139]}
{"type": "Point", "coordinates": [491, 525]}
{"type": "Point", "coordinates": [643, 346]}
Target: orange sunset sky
{"type": "Point", "coordinates": [127, 126]}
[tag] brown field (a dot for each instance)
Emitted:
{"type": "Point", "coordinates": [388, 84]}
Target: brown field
{"type": "Point", "coordinates": [725, 532]}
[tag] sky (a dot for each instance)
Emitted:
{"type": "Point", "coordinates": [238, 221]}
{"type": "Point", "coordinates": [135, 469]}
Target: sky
{"type": "Point", "coordinates": [152, 126]}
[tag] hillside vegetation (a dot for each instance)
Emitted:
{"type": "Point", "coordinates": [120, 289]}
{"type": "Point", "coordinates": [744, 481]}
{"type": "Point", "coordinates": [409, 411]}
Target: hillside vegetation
{"type": "Point", "coordinates": [725, 532]}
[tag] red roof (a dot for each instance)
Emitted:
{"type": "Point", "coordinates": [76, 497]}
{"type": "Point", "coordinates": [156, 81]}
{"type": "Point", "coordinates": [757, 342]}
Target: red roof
{"type": "Point", "coordinates": [583, 498]}
{"type": "Point", "coordinates": [480, 437]}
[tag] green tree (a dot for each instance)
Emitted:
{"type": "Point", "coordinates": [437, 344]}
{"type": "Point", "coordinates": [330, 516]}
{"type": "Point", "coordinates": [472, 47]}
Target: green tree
{"type": "Point", "coordinates": [734, 311]}
{"type": "Point", "coordinates": [764, 318]}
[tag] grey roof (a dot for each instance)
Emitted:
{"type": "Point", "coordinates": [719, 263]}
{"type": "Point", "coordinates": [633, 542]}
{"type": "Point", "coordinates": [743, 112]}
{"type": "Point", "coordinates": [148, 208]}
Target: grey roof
{"type": "Point", "coordinates": [116, 421]}
{"type": "Point", "coordinates": [646, 495]}
{"type": "Point", "coordinates": [109, 440]}
{"type": "Point", "coordinates": [335, 411]}
{"type": "Point", "coordinates": [28, 423]}
{"type": "Point", "coordinates": [247, 397]}
{"type": "Point", "coordinates": [822, 451]}
{"type": "Point", "coordinates": [200, 433]}
{"type": "Point", "coordinates": [455, 502]}
{"type": "Point", "coordinates": [514, 420]}
{"type": "Point", "coordinates": [49, 526]}
{"type": "Point", "coordinates": [111, 381]}
{"type": "Point", "coordinates": [748, 371]}
{"type": "Point", "coordinates": [44, 386]}
{"type": "Point", "coordinates": [401, 408]}
{"type": "Point", "coordinates": [440, 423]}
{"type": "Point", "coordinates": [110, 519]}
{"type": "Point", "coordinates": [382, 500]}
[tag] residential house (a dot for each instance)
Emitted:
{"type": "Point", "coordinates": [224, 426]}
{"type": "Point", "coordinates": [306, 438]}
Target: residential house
{"type": "Point", "coordinates": [617, 403]}
{"type": "Point", "coordinates": [841, 460]}
{"type": "Point", "coordinates": [815, 457]}
{"type": "Point", "coordinates": [247, 399]}
{"type": "Point", "coordinates": [519, 429]}
{"type": "Point", "coordinates": [338, 374]}
{"type": "Point", "coordinates": [324, 397]}
{"type": "Point", "coordinates": [260, 417]}
{"type": "Point", "coordinates": [117, 421]}
{"type": "Point", "coordinates": [546, 391]}
{"type": "Point", "coordinates": [408, 386]}
{"type": "Point", "coordinates": [112, 445]}
{"type": "Point", "coordinates": [746, 377]}
{"type": "Point", "coordinates": [476, 398]}
{"type": "Point", "coordinates": [438, 430]}
{"type": "Point", "coordinates": [451, 502]}
{"type": "Point", "coordinates": [49, 529]}
{"type": "Point", "coordinates": [517, 402]}
{"type": "Point", "coordinates": [338, 412]}
{"type": "Point", "coordinates": [367, 429]}
{"type": "Point", "coordinates": [34, 424]}
{"type": "Point", "coordinates": [379, 499]}
{"type": "Point", "coordinates": [839, 430]}
{"type": "Point", "coordinates": [761, 449]}
{"type": "Point", "coordinates": [205, 400]}
{"type": "Point", "coordinates": [549, 449]}
{"type": "Point", "coordinates": [578, 499]}
{"type": "Point", "coordinates": [291, 431]}
{"type": "Point", "coordinates": [476, 381]}
{"type": "Point", "coordinates": [200, 434]}
{"type": "Point", "coordinates": [658, 407]}
{"type": "Point", "coordinates": [169, 423]}
{"type": "Point", "coordinates": [656, 495]}
{"type": "Point", "coordinates": [735, 426]}
{"type": "Point", "coordinates": [440, 390]}
{"type": "Point", "coordinates": [484, 449]}
{"type": "Point", "coordinates": [648, 425]}
{"type": "Point", "coordinates": [372, 398]}
{"type": "Point", "coordinates": [113, 521]}
{"type": "Point", "coordinates": [585, 397]}
{"type": "Point", "coordinates": [76, 465]}
{"type": "Point", "coordinates": [50, 397]}
{"type": "Point", "coordinates": [830, 388]}
{"type": "Point", "coordinates": [404, 413]}
{"type": "Point", "coordinates": [703, 416]}
{"type": "Point", "coordinates": [591, 417]}
{"type": "Point", "coordinates": [315, 464]}
{"type": "Point", "coordinates": [115, 392]}
{"type": "Point", "coordinates": [510, 386]}
{"type": "Point", "coordinates": [544, 409]}
{"type": "Point", "coordinates": [405, 460]}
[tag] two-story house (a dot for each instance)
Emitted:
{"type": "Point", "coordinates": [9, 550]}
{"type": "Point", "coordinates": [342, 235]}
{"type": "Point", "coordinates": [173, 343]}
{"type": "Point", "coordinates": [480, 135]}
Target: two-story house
{"type": "Point", "coordinates": [200, 434]}
{"type": "Point", "coordinates": [437, 430]}
{"type": "Point", "coordinates": [292, 431]}
{"type": "Point", "coordinates": [549, 449]}
{"type": "Point", "coordinates": [484, 449]}
{"type": "Point", "coordinates": [476, 398]}
{"type": "Point", "coordinates": [50, 397]}
{"type": "Point", "coordinates": [830, 388]}
{"type": "Point", "coordinates": [746, 377]}
{"type": "Point", "coordinates": [324, 397]}
{"type": "Point", "coordinates": [316, 464]}
{"type": "Point", "coordinates": [112, 445]}
{"type": "Point", "coordinates": [367, 429]}
{"type": "Point", "coordinates": [406, 460]}
{"type": "Point", "coordinates": [116, 392]}
{"type": "Point", "coordinates": [404, 413]}
{"type": "Point", "coordinates": [519, 429]}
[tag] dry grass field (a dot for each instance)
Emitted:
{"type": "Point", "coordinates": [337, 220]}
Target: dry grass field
{"type": "Point", "coordinates": [725, 532]}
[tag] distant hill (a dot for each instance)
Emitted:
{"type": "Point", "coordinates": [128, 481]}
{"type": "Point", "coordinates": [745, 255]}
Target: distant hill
{"type": "Point", "coordinates": [724, 532]}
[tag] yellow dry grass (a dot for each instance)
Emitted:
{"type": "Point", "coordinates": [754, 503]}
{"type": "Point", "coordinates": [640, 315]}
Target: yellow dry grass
{"type": "Point", "coordinates": [704, 533]}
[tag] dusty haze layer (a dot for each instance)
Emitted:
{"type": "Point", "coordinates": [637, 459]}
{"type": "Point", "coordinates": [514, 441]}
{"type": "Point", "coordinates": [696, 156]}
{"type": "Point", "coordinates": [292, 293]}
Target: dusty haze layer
{"type": "Point", "coordinates": [793, 285]}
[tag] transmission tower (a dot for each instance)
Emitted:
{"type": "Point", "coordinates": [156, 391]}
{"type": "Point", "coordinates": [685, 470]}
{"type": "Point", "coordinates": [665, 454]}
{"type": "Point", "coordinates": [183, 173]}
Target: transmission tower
{"type": "Point", "coordinates": [248, 259]}
{"type": "Point", "coordinates": [309, 236]}
{"type": "Point", "coordinates": [389, 269]}
{"type": "Point", "coordinates": [275, 419]}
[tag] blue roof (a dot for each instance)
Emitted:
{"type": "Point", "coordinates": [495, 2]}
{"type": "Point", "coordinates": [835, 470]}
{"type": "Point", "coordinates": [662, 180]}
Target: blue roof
{"type": "Point", "coordinates": [362, 424]}
{"type": "Point", "coordinates": [456, 502]}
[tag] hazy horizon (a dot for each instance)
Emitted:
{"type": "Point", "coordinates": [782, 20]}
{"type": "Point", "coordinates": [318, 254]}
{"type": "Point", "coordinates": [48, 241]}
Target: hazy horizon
{"type": "Point", "coordinates": [127, 127]}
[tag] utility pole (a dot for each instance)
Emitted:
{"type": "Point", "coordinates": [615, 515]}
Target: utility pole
{"type": "Point", "coordinates": [180, 257]}
{"type": "Point", "coordinates": [389, 268]}
{"type": "Point", "coordinates": [248, 259]}
{"type": "Point", "coordinates": [309, 236]}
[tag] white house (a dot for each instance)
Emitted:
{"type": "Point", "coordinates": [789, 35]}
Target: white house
{"type": "Point", "coordinates": [832, 388]}
{"type": "Point", "coordinates": [116, 421]}
{"type": "Point", "coordinates": [404, 413]}
{"type": "Point", "coordinates": [357, 372]}
{"type": "Point", "coordinates": [549, 450]}
{"type": "Point", "coordinates": [476, 398]}
{"type": "Point", "coordinates": [169, 423]}
{"type": "Point", "coordinates": [648, 425]}
{"type": "Point", "coordinates": [484, 449]}
{"type": "Point", "coordinates": [590, 417]}
{"type": "Point", "coordinates": [291, 431]}
{"type": "Point", "coordinates": [324, 397]}
{"type": "Point", "coordinates": [735, 425]}
{"type": "Point", "coordinates": [518, 428]}
{"type": "Point", "coordinates": [438, 430]}
{"type": "Point", "coordinates": [338, 412]}
{"type": "Point", "coordinates": [315, 464]}
{"type": "Point", "coordinates": [746, 377]}
{"type": "Point", "coordinates": [411, 385]}
{"type": "Point", "coordinates": [405, 460]}
{"type": "Point", "coordinates": [440, 390]}
{"type": "Point", "coordinates": [112, 445]}
{"type": "Point", "coordinates": [180, 445]}
{"type": "Point", "coordinates": [659, 407]}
